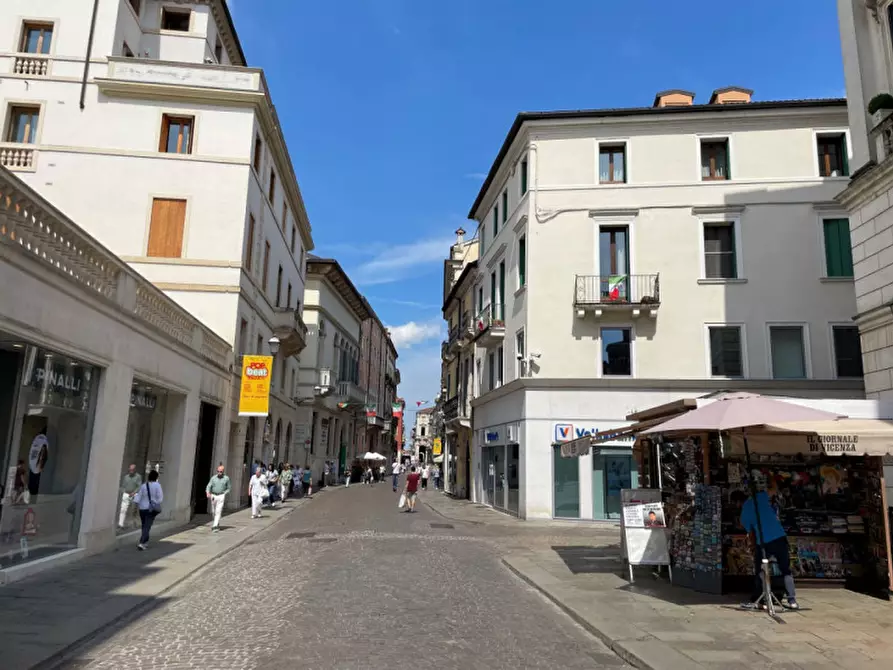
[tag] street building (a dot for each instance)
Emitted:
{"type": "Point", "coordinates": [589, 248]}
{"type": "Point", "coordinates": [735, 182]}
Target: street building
{"type": "Point", "coordinates": [423, 439]}
{"type": "Point", "coordinates": [632, 257]}
{"type": "Point", "coordinates": [196, 187]}
{"type": "Point", "coordinates": [378, 379]}
{"type": "Point", "coordinates": [99, 370]}
{"type": "Point", "coordinates": [867, 45]}
{"type": "Point", "coordinates": [332, 426]}
{"type": "Point", "coordinates": [460, 275]}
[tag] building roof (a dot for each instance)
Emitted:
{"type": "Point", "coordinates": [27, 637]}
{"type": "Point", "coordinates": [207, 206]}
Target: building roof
{"type": "Point", "coordinates": [672, 91]}
{"type": "Point", "coordinates": [467, 270]}
{"type": "Point", "coordinates": [331, 270]}
{"type": "Point", "coordinates": [232, 26]}
{"type": "Point", "coordinates": [560, 115]}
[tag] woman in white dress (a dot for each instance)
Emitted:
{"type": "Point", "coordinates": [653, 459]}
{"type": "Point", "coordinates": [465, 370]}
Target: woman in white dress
{"type": "Point", "coordinates": [257, 486]}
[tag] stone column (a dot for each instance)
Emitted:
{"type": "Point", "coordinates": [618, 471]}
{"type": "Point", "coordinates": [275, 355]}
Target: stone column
{"type": "Point", "coordinates": [180, 433]}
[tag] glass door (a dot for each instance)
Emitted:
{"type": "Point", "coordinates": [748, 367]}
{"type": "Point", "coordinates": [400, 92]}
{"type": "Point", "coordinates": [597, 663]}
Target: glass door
{"type": "Point", "coordinates": [618, 476]}
{"type": "Point", "coordinates": [487, 476]}
{"type": "Point", "coordinates": [499, 478]}
{"type": "Point", "coordinates": [565, 486]}
{"type": "Point", "coordinates": [613, 256]}
{"type": "Point", "coordinates": [513, 478]}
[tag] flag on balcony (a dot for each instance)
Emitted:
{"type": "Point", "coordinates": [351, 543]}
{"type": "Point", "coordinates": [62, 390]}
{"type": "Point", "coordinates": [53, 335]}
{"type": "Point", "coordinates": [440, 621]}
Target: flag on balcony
{"type": "Point", "coordinates": [616, 287]}
{"type": "Point", "coordinates": [397, 409]}
{"type": "Point", "coordinates": [371, 410]}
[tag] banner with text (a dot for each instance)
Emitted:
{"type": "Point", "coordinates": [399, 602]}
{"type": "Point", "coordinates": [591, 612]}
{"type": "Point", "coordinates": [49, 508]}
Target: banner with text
{"type": "Point", "coordinates": [254, 392]}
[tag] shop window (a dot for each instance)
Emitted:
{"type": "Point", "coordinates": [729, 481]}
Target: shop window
{"type": "Point", "coordinates": [838, 250]}
{"type": "Point", "coordinates": [720, 250]}
{"type": "Point", "coordinates": [788, 352]}
{"type": "Point", "coordinates": [847, 351]}
{"type": "Point", "coordinates": [37, 38]}
{"type": "Point", "coordinates": [175, 19]}
{"type": "Point", "coordinates": [832, 154]}
{"type": "Point", "coordinates": [616, 352]}
{"type": "Point", "coordinates": [612, 164]}
{"type": "Point", "coordinates": [166, 228]}
{"type": "Point", "coordinates": [726, 355]}
{"type": "Point", "coordinates": [715, 160]}
{"type": "Point", "coordinates": [176, 134]}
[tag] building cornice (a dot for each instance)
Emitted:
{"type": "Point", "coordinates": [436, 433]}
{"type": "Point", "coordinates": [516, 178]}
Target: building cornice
{"type": "Point", "coordinates": [867, 185]}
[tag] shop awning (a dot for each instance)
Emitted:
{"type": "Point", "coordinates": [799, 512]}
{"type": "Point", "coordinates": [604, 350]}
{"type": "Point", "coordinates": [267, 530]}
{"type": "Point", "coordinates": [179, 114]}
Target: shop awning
{"type": "Point", "coordinates": [438, 459]}
{"type": "Point", "coordinates": [840, 437]}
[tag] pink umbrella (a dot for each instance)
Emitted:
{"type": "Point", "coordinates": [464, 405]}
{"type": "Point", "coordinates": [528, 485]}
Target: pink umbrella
{"type": "Point", "coordinates": [733, 411]}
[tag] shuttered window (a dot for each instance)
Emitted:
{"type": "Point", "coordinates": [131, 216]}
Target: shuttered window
{"type": "Point", "coordinates": [166, 228]}
{"type": "Point", "coordinates": [838, 250]}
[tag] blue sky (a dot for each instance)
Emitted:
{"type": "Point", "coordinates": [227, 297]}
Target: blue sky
{"type": "Point", "coordinates": [394, 109]}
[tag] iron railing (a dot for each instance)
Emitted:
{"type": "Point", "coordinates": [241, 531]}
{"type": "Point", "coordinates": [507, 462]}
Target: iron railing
{"type": "Point", "coordinates": [616, 290]}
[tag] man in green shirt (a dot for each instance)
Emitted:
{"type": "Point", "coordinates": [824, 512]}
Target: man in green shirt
{"type": "Point", "coordinates": [216, 491]}
{"type": "Point", "coordinates": [130, 484]}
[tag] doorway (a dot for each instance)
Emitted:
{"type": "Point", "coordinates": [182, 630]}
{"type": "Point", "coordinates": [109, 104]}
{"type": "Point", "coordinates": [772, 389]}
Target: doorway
{"type": "Point", "coordinates": [613, 256]}
{"type": "Point", "coordinates": [204, 456]}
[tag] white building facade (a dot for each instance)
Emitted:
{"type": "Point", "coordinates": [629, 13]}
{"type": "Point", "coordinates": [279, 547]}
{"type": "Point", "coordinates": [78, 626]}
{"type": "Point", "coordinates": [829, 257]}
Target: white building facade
{"type": "Point", "coordinates": [633, 257]}
{"type": "Point", "coordinates": [180, 142]}
{"type": "Point", "coordinates": [867, 44]}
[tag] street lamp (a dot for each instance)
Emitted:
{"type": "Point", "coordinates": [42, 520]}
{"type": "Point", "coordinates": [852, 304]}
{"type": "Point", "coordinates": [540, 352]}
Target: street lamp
{"type": "Point", "coordinates": [274, 345]}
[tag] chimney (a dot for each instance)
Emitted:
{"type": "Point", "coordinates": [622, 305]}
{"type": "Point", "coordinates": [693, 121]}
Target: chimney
{"type": "Point", "coordinates": [674, 97]}
{"type": "Point", "coordinates": [731, 95]}
{"type": "Point", "coordinates": [460, 236]}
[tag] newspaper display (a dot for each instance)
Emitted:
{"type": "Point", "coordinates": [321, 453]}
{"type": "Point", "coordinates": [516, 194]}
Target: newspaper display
{"type": "Point", "coordinates": [644, 528]}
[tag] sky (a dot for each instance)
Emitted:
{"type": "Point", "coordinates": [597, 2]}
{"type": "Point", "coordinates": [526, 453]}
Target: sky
{"type": "Point", "coordinates": [394, 110]}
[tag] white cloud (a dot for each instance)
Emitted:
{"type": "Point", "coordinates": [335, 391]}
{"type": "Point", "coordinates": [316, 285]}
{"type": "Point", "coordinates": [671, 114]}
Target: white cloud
{"type": "Point", "coordinates": [403, 260]}
{"type": "Point", "coordinates": [412, 333]}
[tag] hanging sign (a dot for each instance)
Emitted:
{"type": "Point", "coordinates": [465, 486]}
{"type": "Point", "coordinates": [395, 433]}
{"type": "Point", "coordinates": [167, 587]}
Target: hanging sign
{"type": "Point", "coordinates": [254, 392]}
{"type": "Point", "coordinates": [437, 450]}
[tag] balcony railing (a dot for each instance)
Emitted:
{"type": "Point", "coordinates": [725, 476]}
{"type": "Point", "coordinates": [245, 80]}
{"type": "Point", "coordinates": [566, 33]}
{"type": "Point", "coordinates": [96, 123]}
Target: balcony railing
{"type": "Point", "coordinates": [491, 317]}
{"type": "Point", "coordinates": [451, 408]}
{"type": "Point", "coordinates": [350, 392]}
{"type": "Point", "coordinates": [34, 65]}
{"type": "Point", "coordinates": [616, 290]}
{"type": "Point", "coordinates": [17, 156]}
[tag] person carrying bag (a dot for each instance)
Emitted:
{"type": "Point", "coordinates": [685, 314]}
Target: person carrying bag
{"type": "Point", "coordinates": [148, 499]}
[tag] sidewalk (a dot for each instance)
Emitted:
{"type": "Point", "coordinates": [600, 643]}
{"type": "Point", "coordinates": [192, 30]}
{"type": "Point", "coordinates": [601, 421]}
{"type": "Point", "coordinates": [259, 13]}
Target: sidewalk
{"type": "Point", "coordinates": [43, 617]}
{"type": "Point", "coordinates": [656, 626]}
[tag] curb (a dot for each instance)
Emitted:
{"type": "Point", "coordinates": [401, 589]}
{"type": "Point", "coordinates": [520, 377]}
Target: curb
{"type": "Point", "coordinates": [616, 646]}
{"type": "Point", "coordinates": [63, 655]}
{"type": "Point", "coordinates": [451, 518]}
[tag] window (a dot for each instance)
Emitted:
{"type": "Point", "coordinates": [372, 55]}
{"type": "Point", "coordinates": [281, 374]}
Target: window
{"type": "Point", "coordinates": [520, 353]}
{"type": "Point", "coordinates": [838, 251]}
{"type": "Point", "coordinates": [522, 262]}
{"type": "Point", "coordinates": [847, 351]}
{"type": "Point", "coordinates": [175, 19]}
{"type": "Point", "coordinates": [249, 247]}
{"type": "Point", "coordinates": [505, 205]}
{"type": "Point", "coordinates": [258, 153]}
{"type": "Point", "coordinates": [788, 352]}
{"type": "Point", "coordinates": [260, 344]}
{"type": "Point", "coordinates": [23, 124]}
{"type": "Point", "coordinates": [279, 287]}
{"type": "Point", "coordinates": [500, 367]}
{"type": "Point", "coordinates": [288, 296]}
{"type": "Point", "coordinates": [243, 336]}
{"type": "Point", "coordinates": [36, 38]}
{"type": "Point", "coordinates": [479, 377]}
{"type": "Point", "coordinates": [136, 5]}
{"type": "Point", "coordinates": [301, 264]}
{"type": "Point", "coordinates": [423, 431]}
{"type": "Point", "coordinates": [126, 51]}
{"type": "Point", "coordinates": [832, 155]}
{"type": "Point", "coordinates": [523, 177]}
{"type": "Point", "coordinates": [284, 215]}
{"type": "Point", "coordinates": [483, 230]}
{"type": "Point", "coordinates": [480, 298]}
{"type": "Point", "coordinates": [176, 134]}
{"type": "Point", "coordinates": [726, 356]}
{"type": "Point", "coordinates": [491, 371]}
{"type": "Point", "coordinates": [498, 314]}
{"type": "Point", "coordinates": [720, 259]}
{"type": "Point", "coordinates": [166, 228]}
{"type": "Point", "coordinates": [218, 50]}
{"type": "Point", "coordinates": [272, 192]}
{"type": "Point", "coordinates": [715, 160]}
{"type": "Point", "coordinates": [612, 164]}
{"type": "Point", "coordinates": [616, 352]}
{"type": "Point", "coordinates": [495, 221]}
{"type": "Point", "coordinates": [266, 271]}
{"type": "Point", "coordinates": [294, 232]}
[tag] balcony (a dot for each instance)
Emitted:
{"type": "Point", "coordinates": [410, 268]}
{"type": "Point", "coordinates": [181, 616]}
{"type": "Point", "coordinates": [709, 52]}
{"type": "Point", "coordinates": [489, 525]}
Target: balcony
{"type": "Point", "coordinates": [457, 412]}
{"type": "Point", "coordinates": [323, 382]}
{"type": "Point", "coordinates": [17, 157]}
{"type": "Point", "coordinates": [446, 353]}
{"type": "Point", "coordinates": [31, 65]}
{"type": "Point", "coordinates": [635, 294]}
{"type": "Point", "coordinates": [453, 341]}
{"type": "Point", "coordinates": [351, 393]}
{"type": "Point", "coordinates": [466, 331]}
{"type": "Point", "coordinates": [289, 327]}
{"type": "Point", "coordinates": [489, 325]}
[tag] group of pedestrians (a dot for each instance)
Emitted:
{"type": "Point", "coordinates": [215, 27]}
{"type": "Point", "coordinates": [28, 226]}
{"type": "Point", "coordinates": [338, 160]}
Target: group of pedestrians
{"type": "Point", "coordinates": [272, 484]}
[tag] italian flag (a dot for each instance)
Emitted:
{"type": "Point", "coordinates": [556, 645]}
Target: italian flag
{"type": "Point", "coordinates": [615, 284]}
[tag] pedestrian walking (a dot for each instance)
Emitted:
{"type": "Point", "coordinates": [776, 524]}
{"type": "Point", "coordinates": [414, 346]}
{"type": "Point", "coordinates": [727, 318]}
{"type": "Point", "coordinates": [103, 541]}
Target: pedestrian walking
{"type": "Point", "coordinates": [412, 489]}
{"type": "Point", "coordinates": [216, 491]}
{"type": "Point", "coordinates": [299, 482]}
{"type": "Point", "coordinates": [272, 485]}
{"type": "Point", "coordinates": [437, 477]}
{"type": "Point", "coordinates": [148, 499]}
{"type": "Point", "coordinates": [395, 473]}
{"type": "Point", "coordinates": [308, 481]}
{"type": "Point", "coordinates": [426, 472]}
{"type": "Point", "coordinates": [327, 471]}
{"type": "Point", "coordinates": [130, 484]}
{"type": "Point", "coordinates": [285, 478]}
{"type": "Point", "coordinates": [257, 486]}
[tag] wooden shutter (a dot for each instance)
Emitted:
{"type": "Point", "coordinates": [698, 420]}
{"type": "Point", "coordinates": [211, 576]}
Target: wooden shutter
{"type": "Point", "coordinates": [166, 228]}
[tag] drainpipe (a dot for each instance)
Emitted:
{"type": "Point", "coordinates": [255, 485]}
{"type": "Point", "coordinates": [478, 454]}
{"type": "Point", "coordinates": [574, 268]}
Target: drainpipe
{"type": "Point", "coordinates": [89, 51]}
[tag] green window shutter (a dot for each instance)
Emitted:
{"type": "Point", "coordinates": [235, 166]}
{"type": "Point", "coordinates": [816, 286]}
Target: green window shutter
{"type": "Point", "coordinates": [522, 261]}
{"type": "Point", "coordinates": [832, 250]}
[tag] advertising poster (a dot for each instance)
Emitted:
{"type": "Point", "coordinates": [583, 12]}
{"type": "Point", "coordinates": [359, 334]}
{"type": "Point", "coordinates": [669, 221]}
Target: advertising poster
{"type": "Point", "coordinates": [254, 392]}
{"type": "Point", "coordinates": [438, 447]}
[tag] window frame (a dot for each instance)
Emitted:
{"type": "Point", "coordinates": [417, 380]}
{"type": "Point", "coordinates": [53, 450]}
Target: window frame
{"type": "Point", "coordinates": [284, 215]}
{"type": "Point", "coordinates": [491, 371]}
{"type": "Point", "coordinates": [294, 233]}
{"type": "Point", "coordinates": [521, 337]}
{"type": "Point", "coordinates": [168, 10]}
{"type": "Point", "coordinates": [632, 350]}
{"type": "Point", "coordinates": [715, 139]}
{"type": "Point", "coordinates": [280, 274]}
{"type": "Point", "coordinates": [257, 158]}
{"type": "Point", "coordinates": [604, 144]}
{"type": "Point", "coordinates": [807, 356]}
{"type": "Point", "coordinates": [11, 107]}
{"type": "Point", "coordinates": [821, 218]}
{"type": "Point", "coordinates": [847, 155]}
{"type": "Point", "coordinates": [742, 330]}
{"type": "Point", "coordinates": [832, 326]}
{"type": "Point", "coordinates": [522, 261]}
{"type": "Point", "coordinates": [735, 220]}
{"type": "Point", "coordinates": [495, 220]}
{"type": "Point", "coordinates": [164, 135]}
{"type": "Point", "coordinates": [26, 26]}
{"type": "Point", "coordinates": [524, 175]}
{"type": "Point", "coordinates": [265, 274]}
{"type": "Point", "coordinates": [271, 188]}
{"type": "Point", "coordinates": [249, 251]}
{"type": "Point", "coordinates": [505, 205]}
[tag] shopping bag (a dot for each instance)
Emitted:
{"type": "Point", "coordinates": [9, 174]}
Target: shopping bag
{"type": "Point", "coordinates": [402, 502]}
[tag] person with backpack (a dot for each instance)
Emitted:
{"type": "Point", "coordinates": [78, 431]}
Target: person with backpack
{"type": "Point", "coordinates": [148, 499]}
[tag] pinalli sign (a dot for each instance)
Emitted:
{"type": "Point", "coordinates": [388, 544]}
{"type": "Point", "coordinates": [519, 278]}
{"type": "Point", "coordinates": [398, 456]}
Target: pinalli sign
{"type": "Point", "coordinates": [254, 391]}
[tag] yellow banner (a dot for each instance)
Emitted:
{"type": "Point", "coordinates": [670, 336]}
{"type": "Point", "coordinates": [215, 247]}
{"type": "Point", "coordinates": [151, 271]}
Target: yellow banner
{"type": "Point", "coordinates": [438, 446]}
{"type": "Point", "coordinates": [254, 393]}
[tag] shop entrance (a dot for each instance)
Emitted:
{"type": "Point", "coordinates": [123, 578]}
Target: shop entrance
{"type": "Point", "coordinates": [204, 456]}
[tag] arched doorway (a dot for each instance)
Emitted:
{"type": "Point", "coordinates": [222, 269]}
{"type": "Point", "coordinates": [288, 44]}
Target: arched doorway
{"type": "Point", "coordinates": [277, 443]}
{"type": "Point", "coordinates": [287, 448]}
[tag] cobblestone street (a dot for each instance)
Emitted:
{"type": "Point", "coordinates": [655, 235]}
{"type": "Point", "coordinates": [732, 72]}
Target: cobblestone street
{"type": "Point", "coordinates": [348, 581]}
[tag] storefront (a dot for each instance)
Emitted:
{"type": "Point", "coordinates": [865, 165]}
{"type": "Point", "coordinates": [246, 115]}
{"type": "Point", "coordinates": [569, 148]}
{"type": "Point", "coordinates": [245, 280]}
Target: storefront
{"type": "Point", "coordinates": [47, 404]}
{"type": "Point", "coordinates": [499, 468]}
{"type": "Point", "coordinates": [143, 448]}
